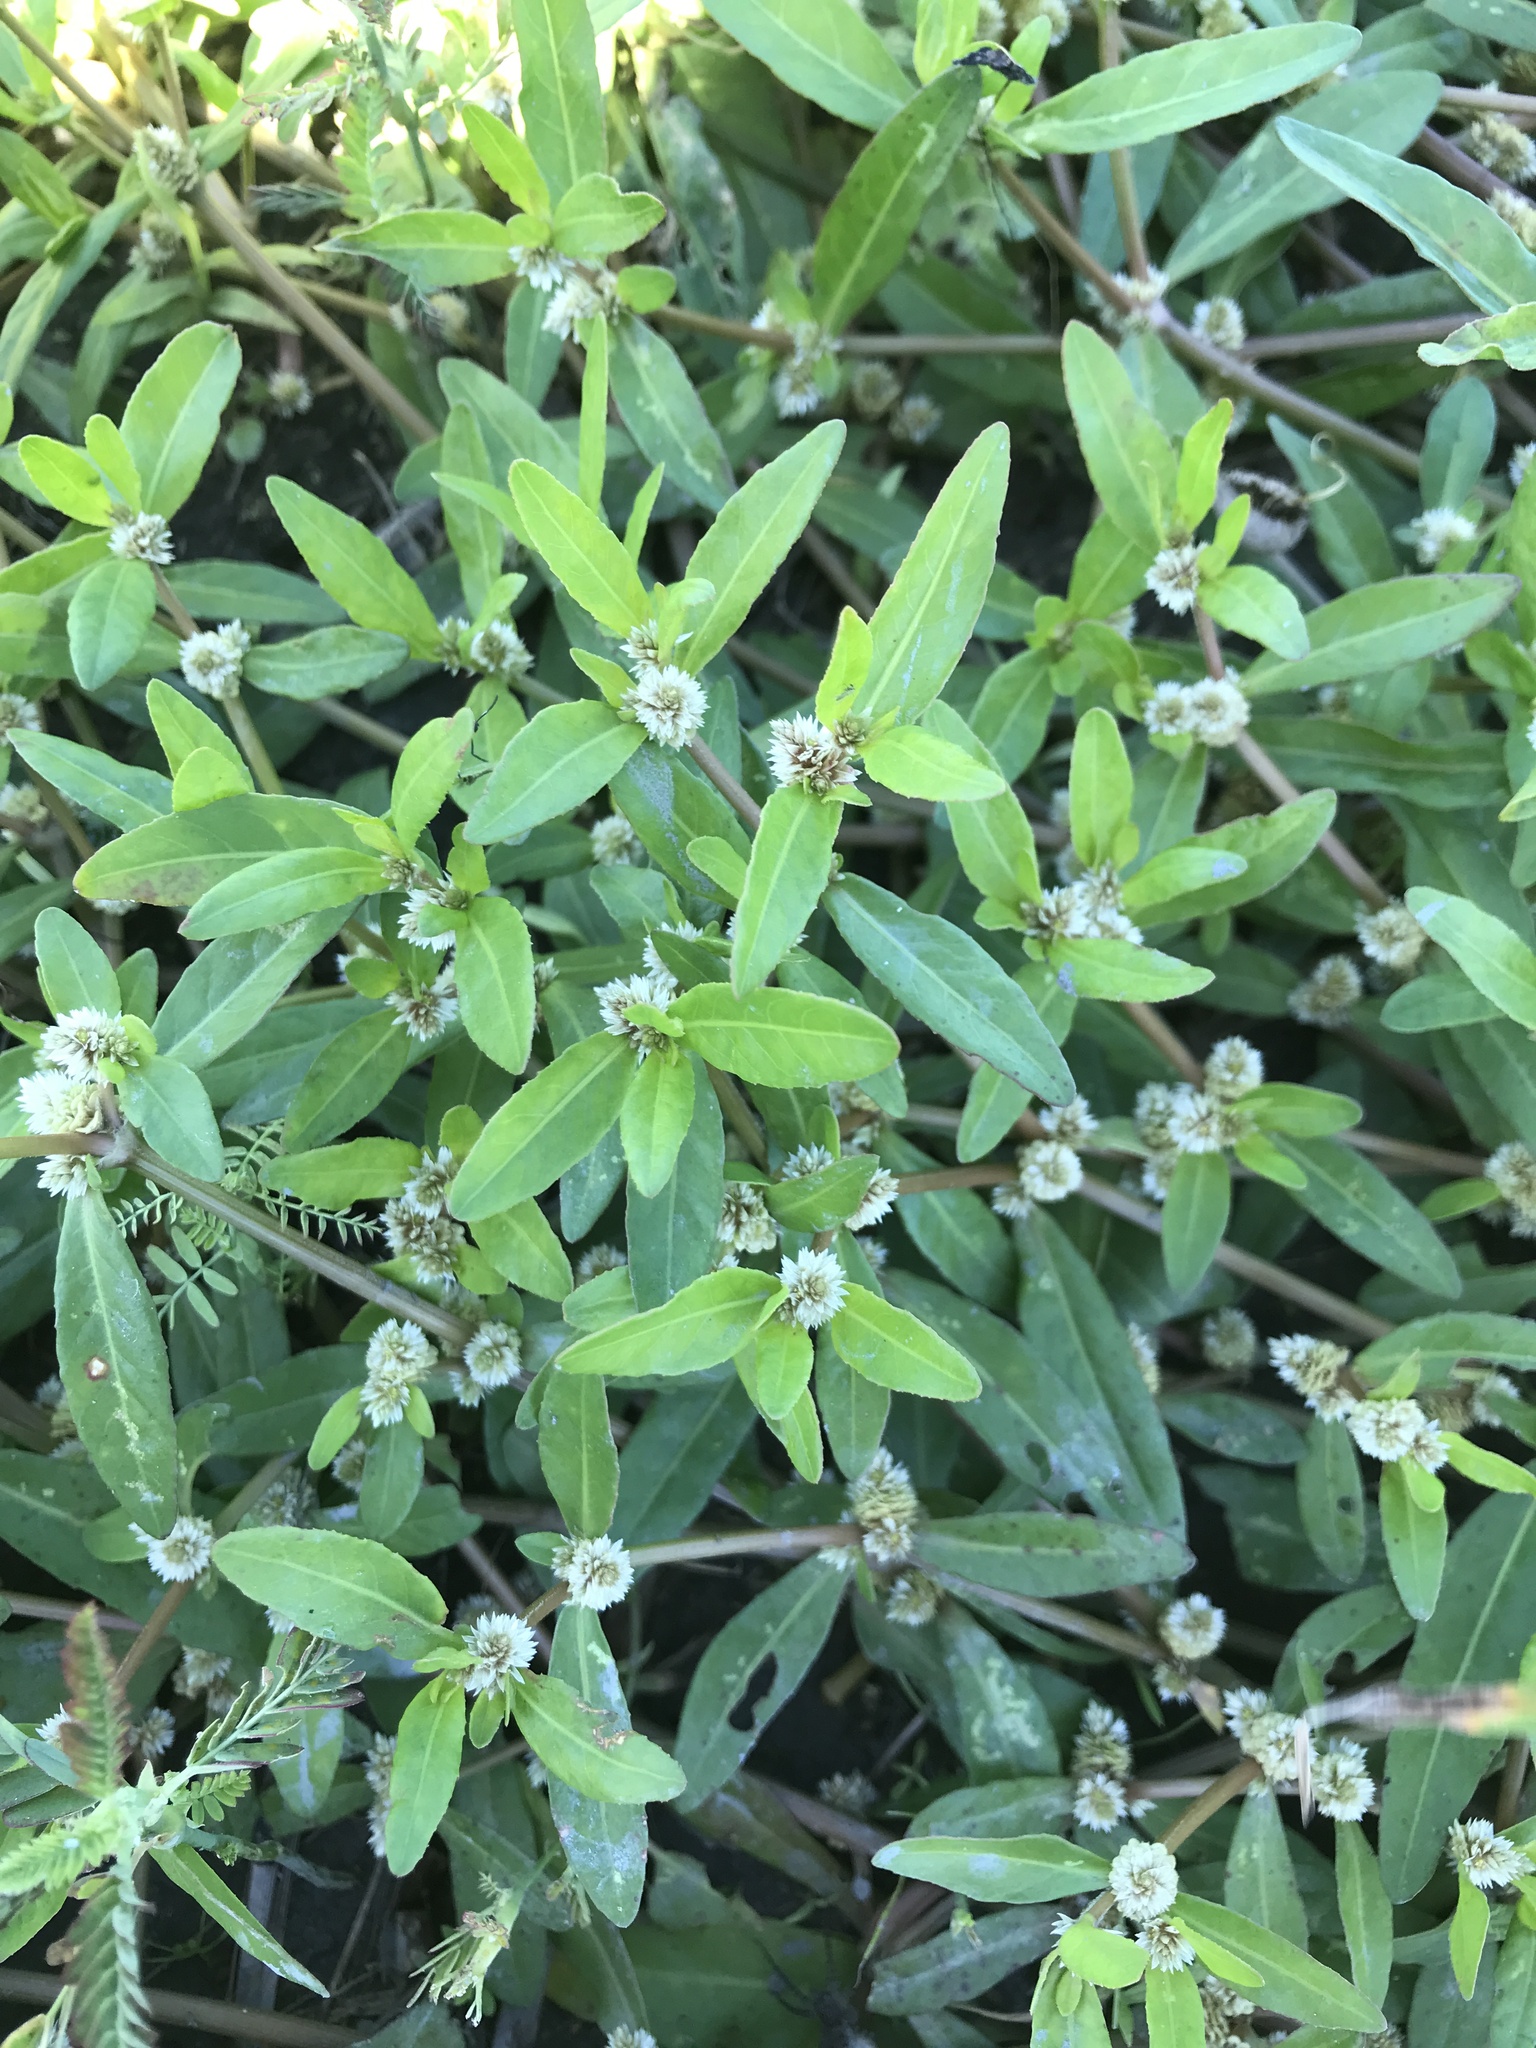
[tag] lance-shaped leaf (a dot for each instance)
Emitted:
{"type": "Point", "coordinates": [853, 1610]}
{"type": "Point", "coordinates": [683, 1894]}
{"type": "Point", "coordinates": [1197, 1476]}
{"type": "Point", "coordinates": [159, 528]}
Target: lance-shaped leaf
{"type": "Point", "coordinates": [1293, 1983]}
{"type": "Point", "coordinates": [1019, 1870]}
{"type": "Point", "coordinates": [561, 100]}
{"type": "Point", "coordinates": [545, 1127]}
{"type": "Point", "coordinates": [589, 561]}
{"type": "Point", "coordinates": [837, 63]}
{"type": "Point", "coordinates": [704, 1322]}
{"type": "Point", "coordinates": [590, 1748]}
{"type": "Point", "coordinates": [1060, 1555]}
{"type": "Point", "coordinates": [1484, 948]}
{"type": "Point", "coordinates": [191, 1874]}
{"type": "Point", "coordinates": [172, 420]}
{"type": "Point", "coordinates": [791, 859]}
{"type": "Point", "coordinates": [558, 760]}
{"type": "Point", "coordinates": [778, 1038]}
{"type": "Point", "coordinates": [353, 566]}
{"type": "Point", "coordinates": [343, 1588]}
{"type": "Point", "coordinates": [887, 1345]}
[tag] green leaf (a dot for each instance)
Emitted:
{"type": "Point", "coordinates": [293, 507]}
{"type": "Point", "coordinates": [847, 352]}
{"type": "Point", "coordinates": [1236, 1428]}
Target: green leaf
{"type": "Point", "coordinates": [113, 1363]}
{"type": "Point", "coordinates": [1384, 626]}
{"type": "Point", "coordinates": [1129, 457]}
{"type": "Point", "coordinates": [778, 1038]}
{"type": "Point", "coordinates": [885, 1344]}
{"type": "Point", "coordinates": [493, 970]}
{"type": "Point", "coordinates": [169, 1105]}
{"type": "Point", "coordinates": [424, 1771]}
{"type": "Point", "coordinates": [865, 231]}
{"type": "Point", "coordinates": [1167, 91]}
{"type": "Point", "coordinates": [589, 561]}
{"type": "Point", "coordinates": [1450, 228]}
{"type": "Point", "coordinates": [604, 1842]}
{"type": "Point", "coordinates": [230, 987]}
{"type": "Point", "coordinates": [188, 1871]}
{"type": "Point", "coordinates": [950, 984]}
{"type": "Point", "coordinates": [1260, 1882]}
{"type": "Point", "coordinates": [281, 888]}
{"type": "Point", "coordinates": [115, 791]}
{"type": "Point", "coordinates": [588, 1747]}
{"type": "Point", "coordinates": [751, 535]}
{"type": "Point", "coordinates": [354, 567]}
{"type": "Point", "coordinates": [1024, 1870]}
{"type": "Point", "coordinates": [1113, 1960]}
{"type": "Point", "coordinates": [545, 1128]}
{"type": "Point", "coordinates": [524, 1250]}
{"type": "Point", "coordinates": [108, 616]}
{"type": "Point", "coordinates": [1195, 1213]}
{"type": "Point", "coordinates": [1175, 2015]}
{"type": "Point", "coordinates": [434, 248]}
{"type": "Point", "coordinates": [916, 762]}
{"type": "Point", "coordinates": [72, 971]}
{"type": "Point", "coordinates": [1331, 1499]}
{"type": "Point", "coordinates": [1415, 1538]}
{"type": "Point", "coordinates": [837, 64]}
{"type": "Point", "coordinates": [558, 760]}
{"type": "Point", "coordinates": [1364, 1210]}
{"type": "Point", "coordinates": [353, 1073]}
{"type": "Point", "coordinates": [791, 859]}
{"type": "Point", "coordinates": [171, 422]}
{"type": "Point", "coordinates": [1364, 1908]}
{"type": "Point", "coordinates": [576, 1452]}
{"type": "Point", "coordinates": [1514, 1995]}
{"type": "Point", "coordinates": [1259, 606]}
{"type": "Point", "coordinates": [1488, 953]}
{"type": "Point", "coordinates": [561, 101]}
{"type": "Point", "coordinates": [342, 1588]}
{"type": "Point", "coordinates": [426, 771]}
{"type": "Point", "coordinates": [924, 621]}
{"type": "Point", "coordinates": [704, 1323]}
{"type": "Point", "coordinates": [666, 416]}
{"type": "Point", "coordinates": [507, 158]}
{"type": "Point", "coordinates": [654, 1120]}
{"type": "Point", "coordinates": [1053, 1554]}
{"type": "Point", "coordinates": [1498, 337]}
{"type": "Point", "coordinates": [1293, 1983]}
{"type": "Point", "coordinates": [1100, 787]}
{"type": "Point", "coordinates": [777, 1636]}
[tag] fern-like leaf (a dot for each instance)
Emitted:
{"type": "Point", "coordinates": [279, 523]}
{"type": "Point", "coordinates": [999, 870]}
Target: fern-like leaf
{"type": "Point", "coordinates": [95, 1737]}
{"type": "Point", "coordinates": [109, 2009]}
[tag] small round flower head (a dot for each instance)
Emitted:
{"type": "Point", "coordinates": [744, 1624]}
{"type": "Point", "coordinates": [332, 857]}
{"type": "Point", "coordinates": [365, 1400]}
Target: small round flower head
{"type": "Point", "coordinates": [656, 990]}
{"type": "Point", "coordinates": [493, 1355]}
{"type": "Point", "coordinates": [1506, 150]}
{"type": "Point", "coordinates": [1329, 992]}
{"type": "Point", "coordinates": [885, 1506]}
{"type": "Point", "coordinates": [1099, 1803]}
{"type": "Point", "coordinates": [916, 419]}
{"type": "Point", "coordinates": [1145, 296]}
{"type": "Point", "coordinates": [806, 1159]}
{"type": "Point", "coordinates": [879, 1199]}
{"type": "Point", "coordinates": [1217, 710]}
{"type": "Point", "coordinates": [629, 2037]}
{"type": "Point", "coordinates": [1228, 1340]}
{"type": "Point", "coordinates": [1392, 1430]}
{"type": "Point", "coordinates": [1220, 321]}
{"type": "Point", "coordinates": [289, 393]}
{"type": "Point", "coordinates": [796, 392]}
{"type": "Point", "coordinates": [874, 388]}
{"type": "Point", "coordinates": [1144, 1880]}
{"type": "Point", "coordinates": [378, 1762]}
{"type": "Point", "coordinates": [801, 749]}
{"type": "Point", "coordinates": [535, 1772]}
{"type": "Point", "coordinates": [502, 1646]}
{"type": "Point", "coordinates": [1225, 2009]}
{"type": "Point", "coordinates": [1049, 1171]}
{"type": "Point", "coordinates": [669, 704]}
{"type": "Point", "coordinates": [426, 1186]}
{"type": "Point", "coordinates": [1312, 1366]}
{"type": "Point", "coordinates": [79, 1041]}
{"type": "Point", "coordinates": [1435, 532]}
{"type": "Point", "coordinates": [432, 1242]}
{"type": "Point", "coordinates": [432, 896]}
{"type": "Point", "coordinates": [183, 1554]}
{"type": "Point", "coordinates": [1512, 1169]}
{"type": "Point", "coordinates": [1102, 1743]}
{"type": "Point", "coordinates": [1242, 1707]}
{"type": "Point", "coordinates": [51, 1102]}
{"type": "Point", "coordinates": [596, 1259]}
{"type": "Point", "coordinates": [141, 537]}
{"type": "Point", "coordinates": [1196, 1122]}
{"type": "Point", "coordinates": [1233, 1068]}
{"type": "Point", "coordinates": [1154, 1107]}
{"type": "Point", "coordinates": [1167, 711]}
{"type": "Point", "coordinates": [1144, 1351]}
{"type": "Point", "coordinates": [1010, 1201]}
{"type": "Point", "coordinates": [1516, 213]}
{"type": "Point", "coordinates": [199, 1673]}
{"type": "Point", "coordinates": [1391, 936]}
{"type": "Point", "coordinates": [170, 159]}
{"type": "Point", "coordinates": [1270, 1739]}
{"type": "Point", "coordinates": [347, 1465]}
{"type": "Point", "coordinates": [1074, 1123]}
{"type": "Point", "coordinates": [1220, 18]}
{"type": "Point", "coordinates": [913, 1600]}
{"type": "Point", "coordinates": [596, 1570]}
{"type": "Point", "coordinates": [849, 1791]}
{"type": "Point", "coordinates": [154, 1734]}
{"type": "Point", "coordinates": [817, 1288]}
{"type": "Point", "coordinates": [1170, 1681]}
{"type": "Point", "coordinates": [545, 269]}
{"type": "Point", "coordinates": [1520, 462]}
{"type": "Point", "coordinates": [498, 650]}
{"type": "Point", "coordinates": [1156, 1175]}
{"type": "Point", "coordinates": [18, 714]}
{"type": "Point", "coordinates": [399, 1356]}
{"type": "Point", "coordinates": [577, 298]}
{"type": "Point", "coordinates": [1486, 1392]}
{"type": "Point", "coordinates": [1057, 12]}
{"type": "Point", "coordinates": [745, 1224]}
{"type": "Point", "coordinates": [426, 1009]}
{"type": "Point", "coordinates": [615, 843]}
{"type": "Point", "coordinates": [159, 248]}
{"type": "Point", "coordinates": [1341, 1784]}
{"type": "Point", "coordinates": [1192, 1627]}
{"type": "Point", "coordinates": [1166, 1947]}
{"type": "Point", "coordinates": [1174, 578]}
{"type": "Point", "coordinates": [641, 648]}
{"type": "Point", "coordinates": [1483, 1857]}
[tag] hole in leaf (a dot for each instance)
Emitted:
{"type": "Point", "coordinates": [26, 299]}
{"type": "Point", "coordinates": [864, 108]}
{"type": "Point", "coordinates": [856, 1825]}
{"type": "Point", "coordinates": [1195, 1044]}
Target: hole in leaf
{"type": "Point", "coordinates": [743, 1715]}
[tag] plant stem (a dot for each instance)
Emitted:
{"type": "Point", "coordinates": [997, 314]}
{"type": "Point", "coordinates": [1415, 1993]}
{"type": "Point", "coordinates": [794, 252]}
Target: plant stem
{"type": "Point", "coordinates": [117, 128]}
{"type": "Point", "coordinates": [737, 1115]}
{"type": "Point", "coordinates": [708, 1543]}
{"type": "Point", "coordinates": [1212, 1800]}
{"type": "Point", "coordinates": [1517, 1761]}
{"type": "Point", "coordinates": [171, 77]}
{"type": "Point", "coordinates": [1153, 1027]}
{"type": "Point", "coordinates": [360, 725]}
{"type": "Point", "coordinates": [205, 2015]}
{"type": "Point", "coordinates": [34, 1607]}
{"type": "Point", "coordinates": [252, 745]}
{"type": "Point", "coordinates": [1380, 334]}
{"type": "Point", "coordinates": [837, 572]}
{"type": "Point", "coordinates": [1281, 787]}
{"type": "Point", "coordinates": [749, 812]}
{"type": "Point", "coordinates": [1122, 171]}
{"type": "Point", "coordinates": [1066, 1621]}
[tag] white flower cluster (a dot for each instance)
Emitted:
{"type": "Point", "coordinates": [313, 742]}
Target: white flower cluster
{"type": "Point", "coordinates": [417, 1225]}
{"type": "Point", "coordinates": [916, 419]}
{"type": "Point", "coordinates": [817, 1287]}
{"type": "Point", "coordinates": [1144, 1350]}
{"type": "Point", "coordinates": [399, 1357]}
{"type": "Point", "coordinates": [1101, 1766]}
{"type": "Point", "coordinates": [492, 1359]}
{"type": "Point", "coordinates": [183, 1553]}
{"type": "Point", "coordinates": [378, 1762]}
{"type": "Point", "coordinates": [63, 1092]}
{"type": "Point", "coordinates": [1174, 578]}
{"type": "Point", "coordinates": [913, 1600]}
{"type": "Point", "coordinates": [426, 892]}
{"type": "Point", "coordinates": [796, 383]}
{"type": "Point", "coordinates": [1484, 1857]}
{"type": "Point", "coordinates": [664, 700]}
{"type": "Point", "coordinates": [615, 843]}
{"type": "Point", "coordinates": [1262, 1733]}
{"type": "Point", "coordinates": [849, 1791]}
{"type": "Point", "coordinates": [596, 1570]}
{"type": "Point", "coordinates": [1342, 1786]}
{"type": "Point", "coordinates": [1074, 1122]}
{"type": "Point", "coordinates": [425, 1009]}
{"type": "Point", "coordinates": [655, 989]}
{"type": "Point", "coordinates": [1088, 908]}
{"type": "Point", "coordinates": [1506, 150]}
{"type": "Point", "coordinates": [1391, 936]}
{"type": "Point", "coordinates": [18, 713]}
{"type": "Point", "coordinates": [1049, 1171]}
{"type": "Point", "coordinates": [498, 649]}
{"type": "Point", "coordinates": [1392, 1430]}
{"type": "Point", "coordinates": [501, 1646]}
{"type": "Point", "coordinates": [1516, 213]}
{"type": "Point", "coordinates": [1144, 1883]}
{"type": "Point", "coordinates": [1144, 296]}
{"type": "Point", "coordinates": [1520, 462]}
{"type": "Point", "coordinates": [171, 159]}
{"type": "Point", "coordinates": [1191, 1628]}
{"type": "Point", "coordinates": [745, 1225]}
{"type": "Point", "coordinates": [627, 2036]}
{"type": "Point", "coordinates": [141, 537]}
{"type": "Point", "coordinates": [160, 246]}
{"type": "Point", "coordinates": [884, 1503]}
{"type": "Point", "coordinates": [877, 1202]}
{"type": "Point", "coordinates": [1175, 1118]}
{"type": "Point", "coordinates": [289, 393]}
{"type": "Point", "coordinates": [1233, 1069]}
{"type": "Point", "coordinates": [1512, 1169]}
{"type": "Point", "coordinates": [1436, 532]}
{"type": "Point", "coordinates": [596, 1259]}
{"type": "Point", "coordinates": [1220, 321]}
{"type": "Point", "coordinates": [579, 295]}
{"type": "Point", "coordinates": [153, 1735]}
{"type": "Point", "coordinates": [1312, 1366]}
{"type": "Point", "coordinates": [802, 750]}
{"type": "Point", "coordinates": [1213, 712]}
{"type": "Point", "coordinates": [1328, 993]}
{"type": "Point", "coordinates": [874, 388]}
{"type": "Point", "coordinates": [1228, 1340]}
